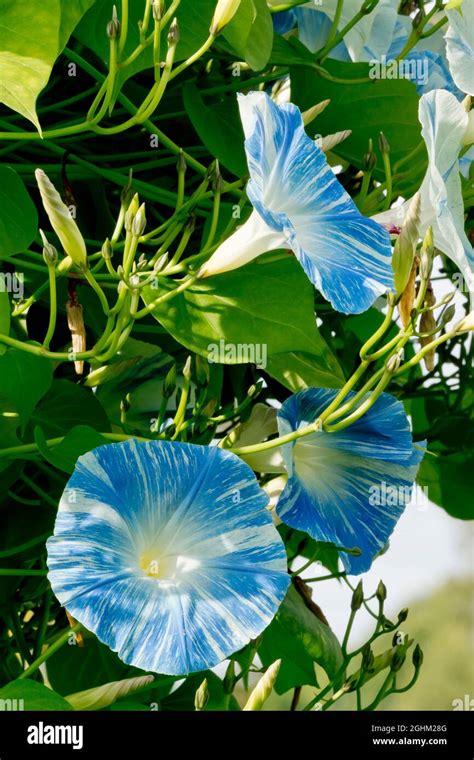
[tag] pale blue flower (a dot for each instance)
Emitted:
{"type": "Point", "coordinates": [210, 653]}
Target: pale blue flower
{"type": "Point", "coordinates": [167, 553]}
{"type": "Point", "coordinates": [347, 487]}
{"type": "Point", "coordinates": [460, 45]}
{"type": "Point", "coordinates": [299, 204]}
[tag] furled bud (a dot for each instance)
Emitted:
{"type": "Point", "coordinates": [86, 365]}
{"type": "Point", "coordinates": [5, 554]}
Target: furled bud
{"type": "Point", "coordinates": [223, 15]}
{"type": "Point", "coordinates": [103, 696]}
{"type": "Point", "coordinates": [370, 159]}
{"type": "Point", "coordinates": [381, 592]}
{"type": "Point", "coordinates": [367, 657]}
{"type": "Point", "coordinates": [398, 658]}
{"type": "Point", "coordinates": [106, 249]}
{"type": "Point", "coordinates": [263, 689]}
{"type": "Point", "coordinates": [173, 33]}
{"type": "Point", "coordinates": [330, 141]}
{"type": "Point", "coordinates": [201, 698]}
{"type": "Point", "coordinates": [139, 222]}
{"type": "Point", "coordinates": [393, 363]}
{"type": "Point", "coordinates": [61, 221]}
{"type": "Point", "coordinates": [50, 253]}
{"type": "Point", "coordinates": [402, 615]}
{"type": "Point", "coordinates": [169, 385]}
{"type": "Point", "coordinates": [405, 247]}
{"type": "Point", "coordinates": [113, 27]}
{"type": "Point", "coordinates": [417, 657]}
{"type": "Point", "coordinates": [428, 325]}
{"type": "Point", "coordinates": [161, 263]}
{"type": "Point", "coordinates": [357, 597]}
{"type": "Point", "coordinates": [466, 324]}
{"type": "Point", "coordinates": [187, 368]}
{"type": "Point", "coordinates": [75, 321]}
{"type": "Point", "coordinates": [309, 115]}
{"type": "Point", "coordinates": [383, 144]}
{"type": "Point", "coordinates": [158, 9]}
{"type": "Point", "coordinates": [131, 211]}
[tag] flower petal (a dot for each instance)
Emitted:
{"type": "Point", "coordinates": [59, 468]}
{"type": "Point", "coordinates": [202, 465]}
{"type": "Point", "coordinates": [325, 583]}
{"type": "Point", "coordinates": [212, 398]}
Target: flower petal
{"type": "Point", "coordinates": [348, 487]}
{"type": "Point", "coordinates": [166, 552]}
{"type": "Point", "coordinates": [460, 45]}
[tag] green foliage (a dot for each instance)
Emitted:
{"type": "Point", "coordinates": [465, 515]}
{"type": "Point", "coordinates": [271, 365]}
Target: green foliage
{"type": "Point", "coordinates": [19, 220]}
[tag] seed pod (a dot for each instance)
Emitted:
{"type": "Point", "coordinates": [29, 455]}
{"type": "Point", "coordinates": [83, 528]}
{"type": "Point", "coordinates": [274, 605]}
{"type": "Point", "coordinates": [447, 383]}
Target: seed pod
{"type": "Point", "coordinates": [75, 321]}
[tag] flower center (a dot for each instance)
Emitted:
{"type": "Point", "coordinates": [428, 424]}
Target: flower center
{"type": "Point", "coordinates": [166, 568]}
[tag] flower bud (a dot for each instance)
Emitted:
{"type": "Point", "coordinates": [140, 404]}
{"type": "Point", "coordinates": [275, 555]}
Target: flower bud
{"type": "Point", "coordinates": [402, 615]}
{"type": "Point", "coordinates": [367, 657]}
{"type": "Point", "coordinates": [330, 141]}
{"type": "Point", "coordinates": [201, 698]}
{"type": "Point", "coordinates": [381, 592]}
{"type": "Point", "coordinates": [169, 385]}
{"type": "Point", "coordinates": [187, 368]}
{"type": "Point", "coordinates": [405, 247]}
{"type": "Point", "coordinates": [103, 696]}
{"type": "Point", "coordinates": [139, 222]}
{"type": "Point", "coordinates": [263, 689]}
{"type": "Point", "coordinates": [393, 363]}
{"type": "Point", "coordinates": [61, 221]}
{"type": "Point", "coordinates": [50, 253]}
{"type": "Point", "coordinates": [106, 249]}
{"type": "Point", "coordinates": [428, 325]}
{"type": "Point", "coordinates": [131, 212]}
{"type": "Point", "coordinates": [173, 33]}
{"type": "Point", "coordinates": [158, 9]}
{"type": "Point", "coordinates": [466, 324]}
{"type": "Point", "coordinates": [357, 597]}
{"type": "Point", "coordinates": [417, 657]}
{"type": "Point", "coordinates": [161, 263]}
{"type": "Point", "coordinates": [309, 115]}
{"type": "Point", "coordinates": [398, 658]}
{"type": "Point", "coordinates": [370, 159]}
{"type": "Point", "coordinates": [447, 315]}
{"type": "Point", "coordinates": [113, 27]}
{"type": "Point", "coordinates": [384, 144]}
{"type": "Point", "coordinates": [223, 15]}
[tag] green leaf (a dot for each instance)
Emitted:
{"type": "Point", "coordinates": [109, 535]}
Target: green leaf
{"type": "Point", "coordinates": [250, 33]}
{"type": "Point", "coordinates": [218, 126]}
{"type": "Point", "coordinates": [18, 220]}
{"type": "Point", "coordinates": [297, 370]}
{"type": "Point", "coordinates": [28, 48]}
{"type": "Point", "coordinates": [67, 405]}
{"type": "Point", "coordinates": [297, 667]}
{"type": "Point", "coordinates": [24, 379]}
{"type": "Point", "coordinates": [32, 696]}
{"type": "Point", "coordinates": [73, 668]}
{"type": "Point", "coordinates": [78, 441]}
{"type": "Point", "coordinates": [71, 14]}
{"type": "Point", "coordinates": [448, 479]}
{"type": "Point", "coordinates": [305, 627]}
{"type": "Point", "coordinates": [387, 105]}
{"type": "Point", "coordinates": [268, 302]}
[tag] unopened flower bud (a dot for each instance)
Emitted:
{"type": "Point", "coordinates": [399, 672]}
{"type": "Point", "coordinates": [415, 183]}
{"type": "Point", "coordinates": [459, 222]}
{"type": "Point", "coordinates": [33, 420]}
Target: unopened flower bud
{"type": "Point", "coordinates": [187, 369]}
{"type": "Point", "coordinates": [139, 222]}
{"type": "Point", "coordinates": [223, 15]}
{"type": "Point", "coordinates": [466, 324]}
{"type": "Point", "coordinates": [173, 33]}
{"type": "Point", "coordinates": [113, 27]}
{"type": "Point", "coordinates": [381, 592]}
{"type": "Point", "coordinates": [131, 212]}
{"type": "Point", "coordinates": [201, 698]}
{"type": "Point", "coordinates": [357, 597]}
{"type": "Point", "coordinates": [161, 263]}
{"type": "Point", "coordinates": [370, 159]}
{"type": "Point", "coordinates": [383, 143]}
{"type": "Point", "coordinates": [367, 657]}
{"type": "Point", "coordinates": [158, 9]}
{"type": "Point", "coordinates": [393, 363]}
{"type": "Point", "coordinates": [309, 115]}
{"type": "Point", "coordinates": [417, 657]}
{"type": "Point", "coordinates": [101, 697]}
{"type": "Point", "coordinates": [402, 615]}
{"type": "Point", "coordinates": [106, 249]}
{"type": "Point", "coordinates": [50, 253]}
{"type": "Point", "coordinates": [61, 221]}
{"type": "Point", "coordinates": [447, 315]}
{"type": "Point", "coordinates": [169, 385]}
{"type": "Point", "coordinates": [398, 658]}
{"type": "Point", "coordinates": [263, 689]}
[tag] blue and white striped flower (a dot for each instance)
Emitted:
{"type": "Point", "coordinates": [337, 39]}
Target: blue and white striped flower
{"type": "Point", "coordinates": [348, 487]}
{"type": "Point", "coordinates": [460, 45]}
{"type": "Point", "coordinates": [299, 204]}
{"type": "Point", "coordinates": [166, 552]}
{"type": "Point", "coordinates": [446, 129]}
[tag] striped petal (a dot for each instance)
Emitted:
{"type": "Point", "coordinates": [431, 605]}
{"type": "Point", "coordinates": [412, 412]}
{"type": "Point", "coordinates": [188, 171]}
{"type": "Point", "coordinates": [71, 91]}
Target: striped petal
{"type": "Point", "coordinates": [166, 552]}
{"type": "Point", "coordinates": [348, 487]}
{"type": "Point", "coordinates": [460, 45]}
{"type": "Point", "coordinates": [294, 191]}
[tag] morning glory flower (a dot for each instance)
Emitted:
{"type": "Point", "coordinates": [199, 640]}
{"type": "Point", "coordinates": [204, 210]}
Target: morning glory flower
{"type": "Point", "coordinates": [348, 487]}
{"type": "Point", "coordinates": [167, 553]}
{"type": "Point", "coordinates": [299, 204]}
{"type": "Point", "coordinates": [460, 45]}
{"type": "Point", "coordinates": [445, 130]}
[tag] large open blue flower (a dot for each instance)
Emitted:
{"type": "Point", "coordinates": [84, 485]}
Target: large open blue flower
{"type": "Point", "coordinates": [299, 204]}
{"type": "Point", "coordinates": [348, 487]}
{"type": "Point", "coordinates": [166, 552]}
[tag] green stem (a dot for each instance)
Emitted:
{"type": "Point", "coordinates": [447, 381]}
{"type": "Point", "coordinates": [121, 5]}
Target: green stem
{"type": "Point", "coordinates": [60, 641]}
{"type": "Point", "coordinates": [53, 306]}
